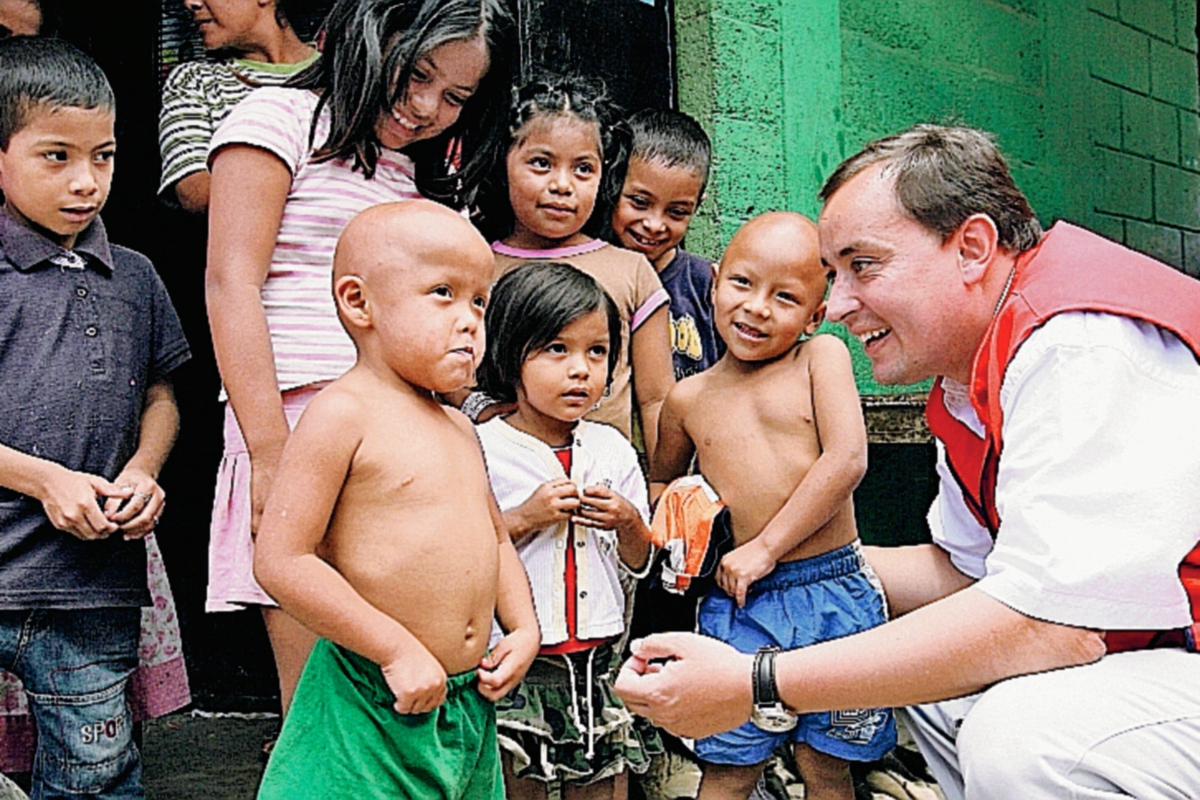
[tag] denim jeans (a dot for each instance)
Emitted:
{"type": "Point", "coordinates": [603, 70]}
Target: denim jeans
{"type": "Point", "coordinates": [75, 665]}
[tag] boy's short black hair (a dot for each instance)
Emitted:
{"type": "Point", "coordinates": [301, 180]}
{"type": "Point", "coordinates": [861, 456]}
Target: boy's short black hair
{"type": "Point", "coordinates": [39, 74]}
{"type": "Point", "coordinates": [529, 308]}
{"type": "Point", "coordinates": [672, 139]}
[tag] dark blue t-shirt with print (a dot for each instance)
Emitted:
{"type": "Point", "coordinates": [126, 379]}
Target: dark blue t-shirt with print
{"type": "Point", "coordinates": [695, 345]}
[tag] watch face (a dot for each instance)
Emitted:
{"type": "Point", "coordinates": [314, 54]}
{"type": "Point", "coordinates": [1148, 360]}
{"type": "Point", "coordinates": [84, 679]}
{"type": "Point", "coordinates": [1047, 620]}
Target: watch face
{"type": "Point", "coordinates": [774, 718]}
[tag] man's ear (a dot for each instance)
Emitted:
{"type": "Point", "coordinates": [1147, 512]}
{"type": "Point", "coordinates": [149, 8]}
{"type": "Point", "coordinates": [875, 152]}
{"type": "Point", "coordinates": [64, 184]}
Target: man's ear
{"type": "Point", "coordinates": [978, 242]}
{"type": "Point", "coordinates": [350, 294]}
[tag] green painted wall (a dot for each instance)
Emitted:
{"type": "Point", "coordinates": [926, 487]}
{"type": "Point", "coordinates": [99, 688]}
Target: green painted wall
{"type": "Point", "coordinates": [1093, 101]}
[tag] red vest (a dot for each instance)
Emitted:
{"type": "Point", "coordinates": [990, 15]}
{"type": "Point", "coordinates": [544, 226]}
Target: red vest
{"type": "Point", "coordinates": [1071, 270]}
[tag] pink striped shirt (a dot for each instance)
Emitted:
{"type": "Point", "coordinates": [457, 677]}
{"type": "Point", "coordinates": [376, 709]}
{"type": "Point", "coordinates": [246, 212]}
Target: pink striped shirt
{"type": "Point", "coordinates": [308, 341]}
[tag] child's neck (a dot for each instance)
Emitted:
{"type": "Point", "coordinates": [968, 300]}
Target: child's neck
{"type": "Point", "coordinates": [550, 430]}
{"type": "Point", "coordinates": [524, 239]}
{"type": "Point", "coordinates": [664, 261]}
{"type": "Point", "coordinates": [743, 367]}
{"type": "Point", "coordinates": [64, 240]}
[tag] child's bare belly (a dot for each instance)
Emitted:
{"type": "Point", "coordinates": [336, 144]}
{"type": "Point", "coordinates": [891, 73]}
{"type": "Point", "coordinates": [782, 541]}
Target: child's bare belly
{"type": "Point", "coordinates": [754, 496]}
{"type": "Point", "coordinates": [436, 579]}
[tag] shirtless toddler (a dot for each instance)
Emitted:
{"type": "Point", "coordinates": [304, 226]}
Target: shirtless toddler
{"type": "Point", "coordinates": [779, 435]}
{"type": "Point", "coordinates": [381, 534]}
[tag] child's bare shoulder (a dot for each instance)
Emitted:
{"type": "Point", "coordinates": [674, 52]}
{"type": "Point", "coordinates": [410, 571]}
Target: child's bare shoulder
{"type": "Point", "coordinates": [825, 351]}
{"type": "Point", "coordinates": [461, 420]}
{"type": "Point", "coordinates": [687, 390]}
{"type": "Point", "coordinates": [337, 405]}
{"type": "Point", "coordinates": [827, 344]}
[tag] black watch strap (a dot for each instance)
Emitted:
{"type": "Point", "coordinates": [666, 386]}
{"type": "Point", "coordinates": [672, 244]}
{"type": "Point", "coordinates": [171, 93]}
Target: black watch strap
{"type": "Point", "coordinates": [766, 691]}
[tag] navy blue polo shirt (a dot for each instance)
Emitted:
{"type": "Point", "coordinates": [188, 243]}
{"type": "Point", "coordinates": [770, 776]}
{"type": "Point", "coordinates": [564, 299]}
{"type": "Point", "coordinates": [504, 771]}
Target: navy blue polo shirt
{"type": "Point", "coordinates": [79, 345]}
{"type": "Point", "coordinates": [695, 345]}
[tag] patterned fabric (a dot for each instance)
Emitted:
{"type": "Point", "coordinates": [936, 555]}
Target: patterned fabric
{"type": "Point", "coordinates": [159, 686]}
{"type": "Point", "coordinates": [308, 341]}
{"type": "Point", "coordinates": [565, 723]}
{"type": "Point", "coordinates": [196, 99]}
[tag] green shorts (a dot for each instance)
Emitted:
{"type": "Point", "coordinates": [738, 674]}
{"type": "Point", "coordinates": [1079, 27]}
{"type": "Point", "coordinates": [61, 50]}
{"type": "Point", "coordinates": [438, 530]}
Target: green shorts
{"type": "Point", "coordinates": [342, 738]}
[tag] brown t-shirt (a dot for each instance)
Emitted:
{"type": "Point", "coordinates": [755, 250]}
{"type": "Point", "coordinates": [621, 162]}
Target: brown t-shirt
{"type": "Point", "coordinates": [633, 285]}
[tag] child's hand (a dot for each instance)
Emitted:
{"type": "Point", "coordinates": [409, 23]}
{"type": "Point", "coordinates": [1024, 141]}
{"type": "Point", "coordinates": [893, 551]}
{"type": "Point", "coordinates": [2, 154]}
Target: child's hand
{"type": "Point", "coordinates": [605, 509]}
{"type": "Point", "coordinates": [552, 502]}
{"type": "Point", "coordinates": [262, 474]}
{"type": "Point", "coordinates": [71, 501]}
{"type": "Point", "coordinates": [418, 681]}
{"type": "Point", "coordinates": [136, 513]}
{"type": "Point", "coordinates": [601, 507]}
{"type": "Point", "coordinates": [742, 567]}
{"type": "Point", "coordinates": [503, 668]}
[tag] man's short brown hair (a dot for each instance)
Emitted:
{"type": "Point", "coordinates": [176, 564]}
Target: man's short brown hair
{"type": "Point", "coordinates": [945, 174]}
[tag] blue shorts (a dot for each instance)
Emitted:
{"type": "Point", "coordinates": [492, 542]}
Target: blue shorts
{"type": "Point", "coordinates": [798, 604]}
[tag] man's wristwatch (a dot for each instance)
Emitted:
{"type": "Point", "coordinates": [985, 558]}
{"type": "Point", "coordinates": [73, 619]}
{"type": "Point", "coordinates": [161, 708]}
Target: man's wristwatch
{"type": "Point", "coordinates": [769, 712]}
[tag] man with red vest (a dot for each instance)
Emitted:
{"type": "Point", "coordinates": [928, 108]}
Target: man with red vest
{"type": "Point", "coordinates": [1045, 642]}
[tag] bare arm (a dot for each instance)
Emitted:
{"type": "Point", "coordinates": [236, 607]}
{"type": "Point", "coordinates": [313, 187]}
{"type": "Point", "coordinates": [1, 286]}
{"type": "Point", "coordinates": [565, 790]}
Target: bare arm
{"type": "Point", "coordinates": [675, 447]}
{"type": "Point", "coordinates": [68, 497]}
{"type": "Point", "coordinates": [156, 437]}
{"type": "Point", "coordinates": [952, 647]}
{"type": "Point", "coordinates": [653, 372]}
{"type": "Point", "coordinates": [193, 190]}
{"type": "Point", "coordinates": [249, 189]}
{"type": "Point", "coordinates": [313, 469]}
{"type": "Point", "coordinates": [505, 666]}
{"type": "Point", "coordinates": [915, 576]}
{"type": "Point", "coordinates": [827, 485]}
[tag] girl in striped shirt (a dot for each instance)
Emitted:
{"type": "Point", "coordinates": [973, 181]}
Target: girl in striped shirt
{"type": "Point", "coordinates": [401, 85]}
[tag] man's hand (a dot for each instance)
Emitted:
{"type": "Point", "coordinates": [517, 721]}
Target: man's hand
{"type": "Point", "coordinates": [138, 512]}
{"type": "Point", "coordinates": [742, 567]}
{"type": "Point", "coordinates": [691, 685]}
{"type": "Point", "coordinates": [418, 681]}
{"type": "Point", "coordinates": [503, 668]}
{"type": "Point", "coordinates": [71, 500]}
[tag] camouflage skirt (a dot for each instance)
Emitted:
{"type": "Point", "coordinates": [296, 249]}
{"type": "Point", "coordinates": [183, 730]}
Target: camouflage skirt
{"type": "Point", "coordinates": [564, 723]}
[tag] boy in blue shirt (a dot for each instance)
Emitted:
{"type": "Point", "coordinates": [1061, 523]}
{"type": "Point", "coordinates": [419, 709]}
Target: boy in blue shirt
{"type": "Point", "coordinates": [87, 418]}
{"type": "Point", "coordinates": [664, 184]}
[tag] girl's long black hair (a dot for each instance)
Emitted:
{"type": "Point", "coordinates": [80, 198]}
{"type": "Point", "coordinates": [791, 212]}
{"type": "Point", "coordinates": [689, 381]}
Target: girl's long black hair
{"type": "Point", "coordinates": [366, 42]}
{"type": "Point", "coordinates": [585, 99]}
{"type": "Point", "coordinates": [529, 308]}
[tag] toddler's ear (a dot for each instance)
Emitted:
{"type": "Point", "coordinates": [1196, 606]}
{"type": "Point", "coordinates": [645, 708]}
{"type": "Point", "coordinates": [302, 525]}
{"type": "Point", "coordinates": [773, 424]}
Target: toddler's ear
{"type": "Point", "coordinates": [349, 292]}
{"type": "Point", "coordinates": [818, 316]}
{"type": "Point", "coordinates": [716, 273]}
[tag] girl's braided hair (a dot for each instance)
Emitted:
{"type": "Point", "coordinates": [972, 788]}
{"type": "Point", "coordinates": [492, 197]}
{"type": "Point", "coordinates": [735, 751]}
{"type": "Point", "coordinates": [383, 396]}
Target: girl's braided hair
{"type": "Point", "coordinates": [548, 96]}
